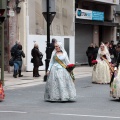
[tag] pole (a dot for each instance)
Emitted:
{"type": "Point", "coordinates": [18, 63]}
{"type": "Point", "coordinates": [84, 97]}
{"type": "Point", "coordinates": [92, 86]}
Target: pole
{"type": "Point", "coordinates": [2, 55]}
{"type": "Point", "coordinates": [48, 49]}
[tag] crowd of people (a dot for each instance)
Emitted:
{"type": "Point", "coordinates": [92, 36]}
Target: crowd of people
{"type": "Point", "coordinates": [106, 69]}
{"type": "Point", "coordinates": [92, 51]}
{"type": "Point", "coordinates": [60, 85]}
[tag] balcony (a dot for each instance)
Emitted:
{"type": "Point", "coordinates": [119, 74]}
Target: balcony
{"type": "Point", "coordinates": [117, 12]}
{"type": "Point", "coordinates": [112, 2]}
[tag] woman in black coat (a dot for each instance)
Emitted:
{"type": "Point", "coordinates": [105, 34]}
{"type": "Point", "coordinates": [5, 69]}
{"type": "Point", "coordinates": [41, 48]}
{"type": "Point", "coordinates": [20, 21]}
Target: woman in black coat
{"type": "Point", "coordinates": [37, 60]}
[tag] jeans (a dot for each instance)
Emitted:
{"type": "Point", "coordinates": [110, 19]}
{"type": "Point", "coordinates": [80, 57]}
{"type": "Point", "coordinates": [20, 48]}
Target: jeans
{"type": "Point", "coordinates": [17, 65]}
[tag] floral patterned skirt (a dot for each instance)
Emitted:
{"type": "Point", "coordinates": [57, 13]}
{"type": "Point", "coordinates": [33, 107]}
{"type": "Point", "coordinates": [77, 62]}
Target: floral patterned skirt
{"type": "Point", "coordinates": [59, 86]}
{"type": "Point", "coordinates": [101, 73]}
{"type": "Point", "coordinates": [115, 86]}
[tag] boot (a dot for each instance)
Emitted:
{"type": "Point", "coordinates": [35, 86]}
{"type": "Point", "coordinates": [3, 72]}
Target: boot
{"type": "Point", "coordinates": [15, 74]}
{"type": "Point", "coordinates": [20, 74]}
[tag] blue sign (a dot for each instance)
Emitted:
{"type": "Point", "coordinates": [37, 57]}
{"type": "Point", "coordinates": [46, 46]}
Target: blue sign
{"type": "Point", "coordinates": [98, 16]}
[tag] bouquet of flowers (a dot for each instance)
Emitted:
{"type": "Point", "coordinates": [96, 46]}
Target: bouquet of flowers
{"type": "Point", "coordinates": [94, 62]}
{"type": "Point", "coordinates": [70, 67]}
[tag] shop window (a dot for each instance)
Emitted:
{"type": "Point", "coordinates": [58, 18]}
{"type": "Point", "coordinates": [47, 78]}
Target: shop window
{"type": "Point", "coordinates": [118, 33]}
{"type": "Point", "coordinates": [66, 45]}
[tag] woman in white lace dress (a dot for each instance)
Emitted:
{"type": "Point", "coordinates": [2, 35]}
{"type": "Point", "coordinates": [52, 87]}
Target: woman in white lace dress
{"type": "Point", "coordinates": [101, 71]}
{"type": "Point", "coordinates": [59, 86]}
{"type": "Point", "coordinates": [115, 81]}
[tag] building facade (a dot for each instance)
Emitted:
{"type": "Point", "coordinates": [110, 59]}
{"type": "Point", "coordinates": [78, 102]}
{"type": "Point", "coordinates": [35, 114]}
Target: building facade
{"type": "Point", "coordinates": [27, 24]}
{"type": "Point", "coordinates": [95, 23]}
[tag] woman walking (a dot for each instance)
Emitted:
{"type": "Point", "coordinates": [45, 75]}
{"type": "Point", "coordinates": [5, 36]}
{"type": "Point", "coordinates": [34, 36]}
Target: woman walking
{"type": "Point", "coordinates": [37, 60]}
{"type": "Point", "coordinates": [102, 70]}
{"type": "Point", "coordinates": [60, 85]}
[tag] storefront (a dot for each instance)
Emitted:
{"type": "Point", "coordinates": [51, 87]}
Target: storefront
{"type": "Point", "coordinates": [90, 28]}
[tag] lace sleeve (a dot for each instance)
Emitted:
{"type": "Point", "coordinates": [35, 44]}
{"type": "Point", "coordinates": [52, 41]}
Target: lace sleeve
{"type": "Point", "coordinates": [67, 61]}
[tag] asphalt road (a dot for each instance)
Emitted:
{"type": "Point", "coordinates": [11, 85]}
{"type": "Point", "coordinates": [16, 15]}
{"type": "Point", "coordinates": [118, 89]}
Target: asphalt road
{"type": "Point", "coordinates": [93, 103]}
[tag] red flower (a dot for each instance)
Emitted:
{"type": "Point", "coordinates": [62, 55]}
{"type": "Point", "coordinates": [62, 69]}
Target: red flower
{"type": "Point", "coordinates": [70, 67]}
{"type": "Point", "coordinates": [94, 62]}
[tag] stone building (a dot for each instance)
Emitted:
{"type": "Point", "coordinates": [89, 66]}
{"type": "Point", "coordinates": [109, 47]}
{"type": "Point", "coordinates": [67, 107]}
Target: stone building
{"type": "Point", "coordinates": [29, 26]}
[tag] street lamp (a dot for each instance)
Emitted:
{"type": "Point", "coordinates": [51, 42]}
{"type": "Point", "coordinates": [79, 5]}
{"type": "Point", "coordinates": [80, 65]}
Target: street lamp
{"type": "Point", "coordinates": [2, 18]}
{"type": "Point", "coordinates": [49, 14]}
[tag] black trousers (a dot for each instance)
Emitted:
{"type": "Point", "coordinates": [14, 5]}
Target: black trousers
{"type": "Point", "coordinates": [35, 71]}
{"type": "Point", "coordinates": [90, 61]}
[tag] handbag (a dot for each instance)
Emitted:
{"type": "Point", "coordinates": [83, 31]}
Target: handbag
{"type": "Point", "coordinates": [11, 62]}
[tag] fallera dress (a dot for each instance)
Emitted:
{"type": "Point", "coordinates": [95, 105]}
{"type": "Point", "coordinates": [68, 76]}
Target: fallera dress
{"type": "Point", "coordinates": [59, 85]}
{"type": "Point", "coordinates": [115, 85]}
{"type": "Point", "coordinates": [101, 71]}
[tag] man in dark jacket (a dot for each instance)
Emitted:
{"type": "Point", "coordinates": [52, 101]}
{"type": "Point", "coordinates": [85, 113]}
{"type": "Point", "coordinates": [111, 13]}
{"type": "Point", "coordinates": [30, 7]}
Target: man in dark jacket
{"type": "Point", "coordinates": [89, 54]}
{"type": "Point", "coordinates": [18, 61]}
{"type": "Point", "coordinates": [95, 52]}
{"type": "Point", "coordinates": [52, 44]}
{"type": "Point", "coordinates": [37, 60]}
{"type": "Point", "coordinates": [112, 52]}
{"type": "Point", "coordinates": [14, 48]}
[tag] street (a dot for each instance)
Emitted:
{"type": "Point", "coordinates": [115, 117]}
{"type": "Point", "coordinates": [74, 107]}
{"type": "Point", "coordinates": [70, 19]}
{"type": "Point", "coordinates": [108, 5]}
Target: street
{"type": "Point", "coordinates": [93, 102]}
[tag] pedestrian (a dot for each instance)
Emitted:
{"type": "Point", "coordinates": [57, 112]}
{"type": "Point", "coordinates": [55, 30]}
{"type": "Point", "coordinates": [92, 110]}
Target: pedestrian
{"type": "Point", "coordinates": [112, 52]}
{"type": "Point", "coordinates": [89, 53]}
{"type": "Point", "coordinates": [14, 48]}
{"type": "Point", "coordinates": [112, 42]}
{"type": "Point", "coordinates": [52, 45]}
{"type": "Point", "coordinates": [37, 60]}
{"type": "Point", "coordinates": [102, 70]}
{"type": "Point", "coordinates": [95, 52]}
{"type": "Point", "coordinates": [59, 85]}
{"type": "Point", "coordinates": [18, 61]}
{"type": "Point", "coordinates": [107, 44]}
{"type": "Point", "coordinates": [115, 80]}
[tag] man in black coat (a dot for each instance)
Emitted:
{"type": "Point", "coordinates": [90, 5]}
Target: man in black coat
{"type": "Point", "coordinates": [52, 45]}
{"type": "Point", "coordinates": [95, 52]}
{"type": "Point", "coordinates": [18, 61]}
{"type": "Point", "coordinates": [89, 53]}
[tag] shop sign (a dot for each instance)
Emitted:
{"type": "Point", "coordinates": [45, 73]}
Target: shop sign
{"type": "Point", "coordinates": [89, 15]}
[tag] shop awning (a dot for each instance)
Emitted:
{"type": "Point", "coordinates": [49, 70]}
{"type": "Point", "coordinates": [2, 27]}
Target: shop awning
{"type": "Point", "coordinates": [101, 23]}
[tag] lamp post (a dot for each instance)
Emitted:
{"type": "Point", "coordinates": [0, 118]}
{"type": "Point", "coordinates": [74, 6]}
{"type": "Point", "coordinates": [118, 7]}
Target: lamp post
{"type": "Point", "coordinates": [2, 18]}
{"type": "Point", "coordinates": [48, 49]}
{"type": "Point", "coordinates": [49, 14]}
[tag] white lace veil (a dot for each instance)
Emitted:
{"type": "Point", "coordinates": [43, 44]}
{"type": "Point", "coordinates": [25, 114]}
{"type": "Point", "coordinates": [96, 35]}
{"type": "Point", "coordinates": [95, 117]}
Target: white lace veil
{"type": "Point", "coordinates": [105, 49]}
{"type": "Point", "coordinates": [105, 52]}
{"type": "Point", "coordinates": [61, 48]}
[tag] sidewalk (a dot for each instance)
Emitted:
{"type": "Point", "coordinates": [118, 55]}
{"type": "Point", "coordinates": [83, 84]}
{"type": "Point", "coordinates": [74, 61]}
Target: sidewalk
{"type": "Point", "coordinates": [29, 80]}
